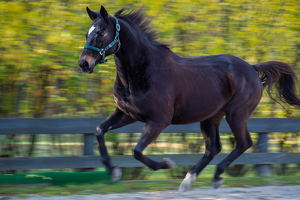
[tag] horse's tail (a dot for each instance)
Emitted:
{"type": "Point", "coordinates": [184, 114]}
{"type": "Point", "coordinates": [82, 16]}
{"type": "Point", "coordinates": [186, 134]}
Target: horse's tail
{"type": "Point", "coordinates": [282, 76]}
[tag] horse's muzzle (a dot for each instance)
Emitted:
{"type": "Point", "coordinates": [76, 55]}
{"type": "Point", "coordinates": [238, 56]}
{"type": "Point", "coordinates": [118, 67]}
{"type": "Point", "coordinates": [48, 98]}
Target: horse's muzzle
{"type": "Point", "coordinates": [84, 65]}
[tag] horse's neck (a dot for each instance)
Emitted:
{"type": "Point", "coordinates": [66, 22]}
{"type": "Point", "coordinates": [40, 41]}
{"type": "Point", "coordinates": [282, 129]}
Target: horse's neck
{"type": "Point", "coordinates": [130, 69]}
{"type": "Point", "coordinates": [122, 75]}
{"type": "Point", "coordinates": [132, 56]}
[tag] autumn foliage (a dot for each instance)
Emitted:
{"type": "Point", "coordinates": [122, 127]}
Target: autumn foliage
{"type": "Point", "coordinates": [41, 41]}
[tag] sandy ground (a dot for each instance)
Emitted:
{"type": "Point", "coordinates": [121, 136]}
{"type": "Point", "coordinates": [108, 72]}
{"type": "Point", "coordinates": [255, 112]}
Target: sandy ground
{"type": "Point", "coordinates": [259, 193]}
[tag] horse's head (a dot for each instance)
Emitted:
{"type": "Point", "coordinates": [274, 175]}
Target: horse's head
{"type": "Point", "coordinates": [102, 39]}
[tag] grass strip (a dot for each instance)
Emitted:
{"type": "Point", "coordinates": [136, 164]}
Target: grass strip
{"type": "Point", "coordinates": [106, 187]}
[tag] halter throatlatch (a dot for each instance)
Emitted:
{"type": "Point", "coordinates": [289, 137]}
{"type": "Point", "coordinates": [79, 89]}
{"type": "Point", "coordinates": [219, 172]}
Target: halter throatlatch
{"type": "Point", "coordinates": [116, 40]}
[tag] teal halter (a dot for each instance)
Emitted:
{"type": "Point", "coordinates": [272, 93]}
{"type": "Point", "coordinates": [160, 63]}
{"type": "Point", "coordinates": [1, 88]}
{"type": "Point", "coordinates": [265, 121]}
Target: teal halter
{"type": "Point", "coordinates": [102, 51]}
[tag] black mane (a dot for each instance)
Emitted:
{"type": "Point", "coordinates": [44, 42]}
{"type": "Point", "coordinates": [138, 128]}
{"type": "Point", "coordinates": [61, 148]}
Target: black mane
{"type": "Point", "coordinates": [138, 20]}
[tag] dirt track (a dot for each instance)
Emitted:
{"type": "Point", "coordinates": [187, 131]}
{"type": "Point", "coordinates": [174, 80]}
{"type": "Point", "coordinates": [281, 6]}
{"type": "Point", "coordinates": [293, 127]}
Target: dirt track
{"type": "Point", "coordinates": [259, 193]}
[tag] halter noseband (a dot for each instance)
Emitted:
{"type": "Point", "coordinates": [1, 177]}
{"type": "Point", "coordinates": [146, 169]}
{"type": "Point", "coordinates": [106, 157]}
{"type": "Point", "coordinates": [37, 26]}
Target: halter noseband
{"type": "Point", "coordinates": [102, 51]}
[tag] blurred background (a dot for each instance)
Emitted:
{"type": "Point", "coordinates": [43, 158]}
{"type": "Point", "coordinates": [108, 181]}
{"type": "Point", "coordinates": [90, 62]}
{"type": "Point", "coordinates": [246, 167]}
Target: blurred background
{"type": "Point", "coordinates": [41, 42]}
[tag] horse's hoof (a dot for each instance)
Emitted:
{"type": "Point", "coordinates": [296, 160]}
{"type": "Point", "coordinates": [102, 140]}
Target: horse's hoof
{"type": "Point", "coordinates": [116, 174]}
{"type": "Point", "coordinates": [170, 163]}
{"type": "Point", "coordinates": [218, 183]}
{"type": "Point", "coordinates": [186, 183]}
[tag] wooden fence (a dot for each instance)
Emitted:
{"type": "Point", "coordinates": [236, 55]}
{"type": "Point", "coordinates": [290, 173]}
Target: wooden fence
{"type": "Point", "coordinates": [87, 126]}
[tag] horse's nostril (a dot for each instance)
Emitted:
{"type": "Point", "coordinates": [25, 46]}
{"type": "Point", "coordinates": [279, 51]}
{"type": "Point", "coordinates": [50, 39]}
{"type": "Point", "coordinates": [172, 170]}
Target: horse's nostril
{"type": "Point", "coordinates": [83, 64]}
{"type": "Point", "coordinates": [86, 65]}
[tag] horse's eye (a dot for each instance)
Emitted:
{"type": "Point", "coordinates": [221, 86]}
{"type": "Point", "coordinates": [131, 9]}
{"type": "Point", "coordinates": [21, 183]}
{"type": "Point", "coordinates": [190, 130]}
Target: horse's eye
{"type": "Point", "coordinates": [100, 33]}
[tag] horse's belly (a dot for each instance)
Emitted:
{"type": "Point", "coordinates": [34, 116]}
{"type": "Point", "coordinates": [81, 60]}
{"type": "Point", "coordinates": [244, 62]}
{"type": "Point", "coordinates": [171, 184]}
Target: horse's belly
{"type": "Point", "coordinates": [196, 113]}
{"type": "Point", "coordinates": [187, 119]}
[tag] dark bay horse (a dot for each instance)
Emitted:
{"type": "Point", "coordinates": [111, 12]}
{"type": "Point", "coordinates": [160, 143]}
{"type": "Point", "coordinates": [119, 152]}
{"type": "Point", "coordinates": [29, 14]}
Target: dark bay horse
{"type": "Point", "coordinates": [155, 86]}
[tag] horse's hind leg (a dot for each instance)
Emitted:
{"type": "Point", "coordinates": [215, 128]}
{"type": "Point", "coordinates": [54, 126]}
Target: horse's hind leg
{"type": "Point", "coordinates": [210, 132]}
{"type": "Point", "coordinates": [238, 125]}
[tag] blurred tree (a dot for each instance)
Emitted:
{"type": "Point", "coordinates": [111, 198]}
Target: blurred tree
{"type": "Point", "coordinates": [41, 41]}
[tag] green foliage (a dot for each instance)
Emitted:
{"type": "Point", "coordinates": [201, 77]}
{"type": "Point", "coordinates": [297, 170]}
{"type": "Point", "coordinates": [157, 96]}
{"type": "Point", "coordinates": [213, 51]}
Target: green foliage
{"type": "Point", "coordinates": [41, 42]}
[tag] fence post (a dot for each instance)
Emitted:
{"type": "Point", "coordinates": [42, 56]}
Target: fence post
{"type": "Point", "coordinates": [262, 147]}
{"type": "Point", "coordinates": [88, 148]}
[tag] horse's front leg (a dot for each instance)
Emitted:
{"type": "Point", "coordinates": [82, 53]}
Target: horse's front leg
{"type": "Point", "coordinates": [116, 120]}
{"type": "Point", "coordinates": [150, 133]}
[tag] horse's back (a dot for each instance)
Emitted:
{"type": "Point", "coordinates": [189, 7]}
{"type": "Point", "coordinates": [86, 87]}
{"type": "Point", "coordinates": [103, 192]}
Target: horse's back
{"type": "Point", "coordinates": [227, 68]}
{"type": "Point", "coordinates": [208, 83]}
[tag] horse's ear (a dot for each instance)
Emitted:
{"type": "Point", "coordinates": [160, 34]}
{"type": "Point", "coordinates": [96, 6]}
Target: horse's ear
{"type": "Point", "coordinates": [92, 14]}
{"type": "Point", "coordinates": [103, 14]}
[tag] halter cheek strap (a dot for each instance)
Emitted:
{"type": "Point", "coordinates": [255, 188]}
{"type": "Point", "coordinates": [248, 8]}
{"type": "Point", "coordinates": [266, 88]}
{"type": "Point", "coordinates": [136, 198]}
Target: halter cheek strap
{"type": "Point", "coordinates": [116, 40]}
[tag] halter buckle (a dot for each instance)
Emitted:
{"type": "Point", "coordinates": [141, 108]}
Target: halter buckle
{"type": "Point", "coordinates": [101, 52]}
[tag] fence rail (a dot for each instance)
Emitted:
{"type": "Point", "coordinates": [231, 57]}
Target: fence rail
{"type": "Point", "coordinates": [87, 126]}
{"type": "Point", "coordinates": [129, 161]}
